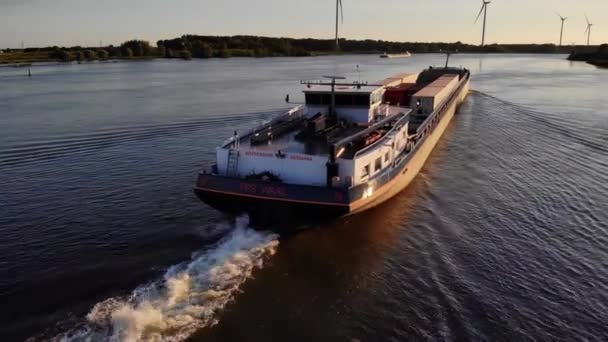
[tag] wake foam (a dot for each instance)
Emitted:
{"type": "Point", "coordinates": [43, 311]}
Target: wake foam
{"type": "Point", "coordinates": [188, 298]}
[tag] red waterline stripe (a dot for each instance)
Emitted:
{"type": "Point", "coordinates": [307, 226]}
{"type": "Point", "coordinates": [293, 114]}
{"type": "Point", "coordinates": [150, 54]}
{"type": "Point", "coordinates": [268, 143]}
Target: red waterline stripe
{"type": "Point", "coordinates": [271, 199]}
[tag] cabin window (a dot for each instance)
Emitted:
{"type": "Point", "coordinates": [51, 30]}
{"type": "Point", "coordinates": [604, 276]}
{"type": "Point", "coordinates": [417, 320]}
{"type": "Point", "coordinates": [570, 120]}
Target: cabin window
{"type": "Point", "coordinates": [313, 99]}
{"type": "Point", "coordinates": [361, 100]}
{"type": "Point", "coordinates": [386, 157]}
{"type": "Point", "coordinates": [378, 165]}
{"type": "Point", "coordinates": [318, 99]}
{"type": "Point", "coordinates": [365, 172]}
{"type": "Point", "coordinates": [326, 99]}
{"type": "Point", "coordinates": [344, 100]}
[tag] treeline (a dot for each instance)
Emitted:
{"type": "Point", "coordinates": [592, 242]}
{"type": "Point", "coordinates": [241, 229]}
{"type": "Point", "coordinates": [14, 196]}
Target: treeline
{"type": "Point", "coordinates": [254, 46]}
{"type": "Point", "coordinates": [193, 46]}
{"type": "Point", "coordinates": [131, 49]}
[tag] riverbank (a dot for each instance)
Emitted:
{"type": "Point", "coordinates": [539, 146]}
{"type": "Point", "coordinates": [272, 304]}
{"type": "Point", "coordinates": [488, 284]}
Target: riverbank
{"type": "Point", "coordinates": [600, 63]}
{"type": "Point", "coordinates": [597, 57]}
{"type": "Point", "coordinates": [193, 46]}
{"type": "Point", "coordinates": [24, 59]}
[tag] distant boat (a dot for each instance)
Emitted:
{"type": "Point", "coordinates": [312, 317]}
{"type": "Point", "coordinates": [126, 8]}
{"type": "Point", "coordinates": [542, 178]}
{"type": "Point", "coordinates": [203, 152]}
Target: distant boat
{"type": "Point", "coordinates": [406, 54]}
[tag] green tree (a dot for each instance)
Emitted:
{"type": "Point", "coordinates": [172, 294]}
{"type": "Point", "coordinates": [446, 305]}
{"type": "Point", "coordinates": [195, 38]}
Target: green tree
{"type": "Point", "coordinates": [103, 54]}
{"type": "Point", "coordinates": [79, 56]}
{"type": "Point", "coordinates": [207, 51]}
{"type": "Point", "coordinates": [201, 49]}
{"type": "Point", "coordinates": [61, 55]}
{"type": "Point", "coordinates": [197, 48]}
{"type": "Point", "coordinates": [260, 52]}
{"type": "Point", "coordinates": [139, 48]}
{"type": "Point", "coordinates": [115, 52]}
{"type": "Point", "coordinates": [90, 55]}
{"type": "Point", "coordinates": [224, 52]}
{"type": "Point", "coordinates": [185, 54]}
{"type": "Point", "coordinates": [127, 53]}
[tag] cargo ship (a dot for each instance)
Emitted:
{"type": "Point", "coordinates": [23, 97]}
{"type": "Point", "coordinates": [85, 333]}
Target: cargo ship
{"type": "Point", "coordinates": [350, 147]}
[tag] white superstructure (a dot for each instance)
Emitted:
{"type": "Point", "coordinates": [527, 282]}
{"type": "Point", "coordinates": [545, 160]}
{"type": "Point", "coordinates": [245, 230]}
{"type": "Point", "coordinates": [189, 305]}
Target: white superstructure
{"type": "Point", "coordinates": [301, 161]}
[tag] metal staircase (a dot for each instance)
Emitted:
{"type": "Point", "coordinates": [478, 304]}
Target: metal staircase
{"type": "Point", "coordinates": [233, 158]}
{"type": "Point", "coordinates": [233, 163]}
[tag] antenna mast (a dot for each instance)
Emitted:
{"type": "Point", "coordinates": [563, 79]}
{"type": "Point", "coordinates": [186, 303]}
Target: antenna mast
{"type": "Point", "coordinates": [447, 60]}
{"type": "Point", "coordinates": [332, 109]}
{"type": "Point", "coordinates": [337, 24]}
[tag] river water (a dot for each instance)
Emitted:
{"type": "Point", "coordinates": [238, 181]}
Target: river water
{"type": "Point", "coordinates": [503, 236]}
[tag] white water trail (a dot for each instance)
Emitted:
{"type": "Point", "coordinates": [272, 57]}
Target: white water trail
{"type": "Point", "coordinates": [188, 298]}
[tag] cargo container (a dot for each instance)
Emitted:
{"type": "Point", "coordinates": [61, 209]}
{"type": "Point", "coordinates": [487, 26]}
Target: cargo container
{"type": "Point", "coordinates": [398, 79]}
{"type": "Point", "coordinates": [428, 98]}
{"type": "Point", "coordinates": [400, 95]}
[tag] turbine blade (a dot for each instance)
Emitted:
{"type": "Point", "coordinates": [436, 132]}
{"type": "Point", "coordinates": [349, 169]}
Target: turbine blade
{"type": "Point", "coordinates": [480, 11]}
{"type": "Point", "coordinates": [341, 11]}
{"type": "Point", "coordinates": [587, 18]}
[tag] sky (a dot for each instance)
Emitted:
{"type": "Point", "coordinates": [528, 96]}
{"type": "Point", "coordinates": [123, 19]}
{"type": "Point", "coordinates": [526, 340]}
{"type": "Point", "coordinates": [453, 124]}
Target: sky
{"type": "Point", "coordinates": [88, 22]}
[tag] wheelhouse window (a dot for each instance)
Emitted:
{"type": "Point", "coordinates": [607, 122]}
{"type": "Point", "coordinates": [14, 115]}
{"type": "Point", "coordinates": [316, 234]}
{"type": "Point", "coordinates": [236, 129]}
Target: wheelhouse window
{"type": "Point", "coordinates": [346, 100]}
{"type": "Point", "coordinates": [318, 99]}
{"type": "Point", "coordinates": [365, 171]}
{"type": "Point", "coordinates": [378, 165]}
{"type": "Point", "coordinates": [386, 157]}
{"type": "Point", "coordinates": [361, 100]}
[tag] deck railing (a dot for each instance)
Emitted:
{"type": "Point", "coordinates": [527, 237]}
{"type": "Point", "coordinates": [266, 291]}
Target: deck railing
{"type": "Point", "coordinates": [292, 114]}
{"type": "Point", "coordinates": [396, 126]}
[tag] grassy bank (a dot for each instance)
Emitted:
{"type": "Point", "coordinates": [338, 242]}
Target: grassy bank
{"type": "Point", "coordinates": [23, 57]}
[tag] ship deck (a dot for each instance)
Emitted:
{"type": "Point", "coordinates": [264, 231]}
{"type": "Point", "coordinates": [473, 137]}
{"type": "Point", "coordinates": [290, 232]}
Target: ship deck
{"type": "Point", "coordinates": [287, 143]}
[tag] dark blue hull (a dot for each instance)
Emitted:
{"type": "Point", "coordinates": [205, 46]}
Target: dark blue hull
{"type": "Point", "coordinates": [272, 203]}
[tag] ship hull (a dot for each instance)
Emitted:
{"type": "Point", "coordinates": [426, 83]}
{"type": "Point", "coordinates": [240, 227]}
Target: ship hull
{"type": "Point", "coordinates": [412, 166]}
{"type": "Point", "coordinates": [269, 213]}
{"type": "Point", "coordinates": [270, 203]}
{"type": "Point", "coordinates": [273, 204]}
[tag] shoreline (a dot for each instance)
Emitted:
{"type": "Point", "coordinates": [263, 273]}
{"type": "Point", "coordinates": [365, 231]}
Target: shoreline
{"type": "Point", "coordinates": [189, 47]}
{"type": "Point", "coordinates": [51, 61]}
{"type": "Point", "coordinates": [599, 63]}
{"type": "Point", "coordinates": [599, 58]}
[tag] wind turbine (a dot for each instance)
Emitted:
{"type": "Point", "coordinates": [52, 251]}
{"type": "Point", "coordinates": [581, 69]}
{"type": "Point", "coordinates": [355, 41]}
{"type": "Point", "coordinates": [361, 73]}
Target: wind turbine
{"type": "Point", "coordinates": [561, 33]}
{"type": "Point", "coordinates": [484, 9]}
{"type": "Point", "coordinates": [588, 30]}
{"type": "Point", "coordinates": [339, 11]}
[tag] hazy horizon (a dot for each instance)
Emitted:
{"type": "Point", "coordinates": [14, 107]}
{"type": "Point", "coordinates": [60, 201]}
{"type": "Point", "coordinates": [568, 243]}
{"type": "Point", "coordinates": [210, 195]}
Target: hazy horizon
{"type": "Point", "coordinates": [38, 23]}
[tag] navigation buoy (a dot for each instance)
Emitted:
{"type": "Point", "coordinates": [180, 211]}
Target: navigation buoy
{"type": "Point", "coordinates": [29, 72]}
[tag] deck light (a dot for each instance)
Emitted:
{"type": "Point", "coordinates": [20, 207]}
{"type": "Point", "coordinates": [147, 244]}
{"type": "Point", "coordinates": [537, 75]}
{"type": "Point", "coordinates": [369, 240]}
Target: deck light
{"type": "Point", "coordinates": [340, 152]}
